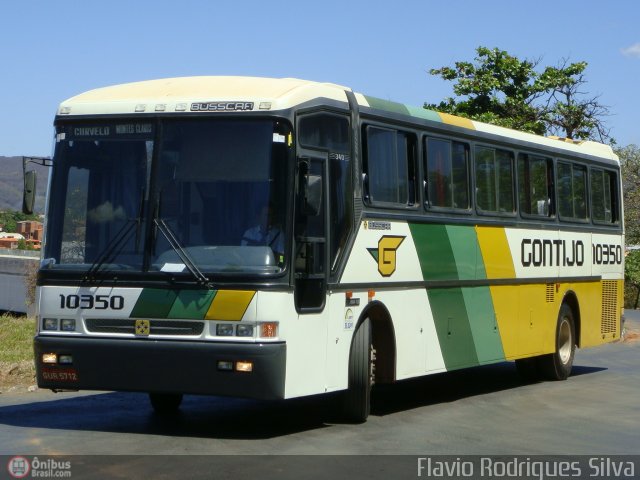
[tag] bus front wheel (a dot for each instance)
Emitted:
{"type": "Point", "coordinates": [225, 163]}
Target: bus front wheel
{"type": "Point", "coordinates": [357, 398]}
{"type": "Point", "coordinates": [557, 365]}
{"type": "Point", "coordinates": [165, 403]}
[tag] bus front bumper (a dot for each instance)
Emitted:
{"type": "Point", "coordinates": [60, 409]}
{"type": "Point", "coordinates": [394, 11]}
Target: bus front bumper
{"type": "Point", "coordinates": [161, 366]}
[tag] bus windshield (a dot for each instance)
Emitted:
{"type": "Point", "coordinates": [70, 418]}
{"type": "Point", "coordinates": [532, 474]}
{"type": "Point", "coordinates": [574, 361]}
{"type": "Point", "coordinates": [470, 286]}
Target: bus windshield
{"type": "Point", "coordinates": [216, 199]}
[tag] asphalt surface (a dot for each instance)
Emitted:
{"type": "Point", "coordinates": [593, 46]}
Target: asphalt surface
{"type": "Point", "coordinates": [483, 411]}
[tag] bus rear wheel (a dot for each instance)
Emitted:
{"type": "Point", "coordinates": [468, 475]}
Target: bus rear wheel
{"type": "Point", "coordinates": [557, 365]}
{"type": "Point", "coordinates": [165, 403]}
{"type": "Point", "coordinates": [357, 398]}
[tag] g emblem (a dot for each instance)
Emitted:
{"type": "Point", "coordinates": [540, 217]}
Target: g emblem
{"type": "Point", "coordinates": [385, 254]}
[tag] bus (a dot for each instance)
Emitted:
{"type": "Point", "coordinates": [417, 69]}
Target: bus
{"type": "Point", "coordinates": [279, 238]}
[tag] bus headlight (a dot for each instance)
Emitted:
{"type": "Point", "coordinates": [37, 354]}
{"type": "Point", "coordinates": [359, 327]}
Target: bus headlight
{"type": "Point", "coordinates": [68, 325]}
{"type": "Point", "coordinates": [50, 324]}
{"type": "Point", "coordinates": [244, 367]}
{"type": "Point", "coordinates": [49, 358]}
{"type": "Point", "coordinates": [244, 331]}
{"type": "Point", "coordinates": [65, 360]}
{"type": "Point", "coordinates": [224, 330]}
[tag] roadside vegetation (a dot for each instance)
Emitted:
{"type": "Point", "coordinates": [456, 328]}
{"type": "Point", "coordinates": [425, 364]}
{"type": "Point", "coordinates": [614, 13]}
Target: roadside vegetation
{"type": "Point", "coordinates": [16, 353]}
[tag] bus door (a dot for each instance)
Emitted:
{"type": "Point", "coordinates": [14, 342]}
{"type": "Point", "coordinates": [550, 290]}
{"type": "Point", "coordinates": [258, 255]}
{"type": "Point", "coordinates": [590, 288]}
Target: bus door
{"type": "Point", "coordinates": [324, 144]}
{"type": "Point", "coordinates": [310, 232]}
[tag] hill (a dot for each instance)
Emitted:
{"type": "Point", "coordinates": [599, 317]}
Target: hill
{"type": "Point", "coordinates": [11, 184]}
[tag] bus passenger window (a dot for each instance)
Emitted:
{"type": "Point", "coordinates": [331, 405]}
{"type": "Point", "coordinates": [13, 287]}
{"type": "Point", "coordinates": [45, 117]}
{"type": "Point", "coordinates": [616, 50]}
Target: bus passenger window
{"type": "Point", "coordinates": [447, 174]}
{"type": "Point", "coordinates": [534, 185]}
{"type": "Point", "coordinates": [494, 180]}
{"type": "Point", "coordinates": [572, 191]}
{"type": "Point", "coordinates": [390, 167]}
{"type": "Point", "coordinates": [604, 196]}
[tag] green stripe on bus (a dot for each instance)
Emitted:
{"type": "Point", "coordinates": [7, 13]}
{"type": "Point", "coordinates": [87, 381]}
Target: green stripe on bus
{"type": "Point", "coordinates": [448, 252]}
{"type": "Point", "coordinates": [387, 105]}
{"type": "Point", "coordinates": [154, 303]}
{"type": "Point", "coordinates": [434, 251]}
{"type": "Point", "coordinates": [424, 113]}
{"type": "Point", "coordinates": [466, 251]}
{"type": "Point", "coordinates": [192, 304]}
{"type": "Point", "coordinates": [452, 325]}
{"type": "Point", "coordinates": [483, 323]}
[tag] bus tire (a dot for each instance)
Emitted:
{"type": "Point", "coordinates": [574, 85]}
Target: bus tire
{"type": "Point", "coordinates": [357, 398]}
{"type": "Point", "coordinates": [165, 403]}
{"type": "Point", "coordinates": [557, 365]}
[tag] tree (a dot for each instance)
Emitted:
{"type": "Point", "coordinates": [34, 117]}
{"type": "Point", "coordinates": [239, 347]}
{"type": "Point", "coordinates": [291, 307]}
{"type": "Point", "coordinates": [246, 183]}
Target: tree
{"type": "Point", "coordinates": [501, 89]}
{"type": "Point", "coordinates": [632, 279]}
{"type": "Point", "coordinates": [630, 164]}
{"type": "Point", "coordinates": [9, 219]}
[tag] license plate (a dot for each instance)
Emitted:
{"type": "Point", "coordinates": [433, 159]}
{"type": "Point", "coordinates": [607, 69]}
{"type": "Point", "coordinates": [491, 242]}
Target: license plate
{"type": "Point", "coordinates": [60, 374]}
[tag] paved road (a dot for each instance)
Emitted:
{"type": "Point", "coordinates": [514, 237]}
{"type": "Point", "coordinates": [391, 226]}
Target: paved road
{"type": "Point", "coordinates": [484, 410]}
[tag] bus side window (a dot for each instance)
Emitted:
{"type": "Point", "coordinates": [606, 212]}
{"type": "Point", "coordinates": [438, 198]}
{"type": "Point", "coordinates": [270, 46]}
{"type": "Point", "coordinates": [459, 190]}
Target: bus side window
{"type": "Point", "coordinates": [446, 174]}
{"type": "Point", "coordinates": [572, 191]}
{"type": "Point", "coordinates": [535, 190]}
{"type": "Point", "coordinates": [604, 196]}
{"type": "Point", "coordinates": [494, 180]}
{"type": "Point", "coordinates": [389, 167]}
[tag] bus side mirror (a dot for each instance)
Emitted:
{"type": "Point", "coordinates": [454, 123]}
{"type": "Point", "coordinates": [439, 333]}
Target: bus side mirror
{"type": "Point", "coordinates": [310, 191]}
{"type": "Point", "coordinates": [29, 196]}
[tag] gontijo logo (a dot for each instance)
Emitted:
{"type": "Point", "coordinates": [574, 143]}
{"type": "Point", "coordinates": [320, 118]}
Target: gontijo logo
{"type": "Point", "coordinates": [385, 254]}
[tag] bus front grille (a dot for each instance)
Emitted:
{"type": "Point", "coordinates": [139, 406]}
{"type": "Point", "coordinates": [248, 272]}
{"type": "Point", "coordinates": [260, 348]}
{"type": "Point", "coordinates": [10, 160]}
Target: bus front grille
{"type": "Point", "coordinates": [158, 327]}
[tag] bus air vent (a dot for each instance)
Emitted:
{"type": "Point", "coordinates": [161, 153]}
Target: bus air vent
{"type": "Point", "coordinates": [609, 310]}
{"type": "Point", "coordinates": [551, 293]}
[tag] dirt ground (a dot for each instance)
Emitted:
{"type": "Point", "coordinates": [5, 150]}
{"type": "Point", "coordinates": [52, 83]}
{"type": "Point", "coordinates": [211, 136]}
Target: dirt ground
{"type": "Point", "coordinates": [17, 377]}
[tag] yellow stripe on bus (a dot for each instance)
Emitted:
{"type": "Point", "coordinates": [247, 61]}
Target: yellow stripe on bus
{"type": "Point", "coordinates": [230, 305]}
{"type": "Point", "coordinates": [495, 252]}
{"type": "Point", "coordinates": [456, 121]}
{"type": "Point", "coordinates": [498, 264]}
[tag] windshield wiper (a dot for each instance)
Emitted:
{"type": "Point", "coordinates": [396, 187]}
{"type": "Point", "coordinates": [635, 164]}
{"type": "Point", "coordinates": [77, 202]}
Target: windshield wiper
{"type": "Point", "coordinates": [119, 241]}
{"type": "Point", "coordinates": [180, 251]}
{"type": "Point", "coordinates": [114, 248]}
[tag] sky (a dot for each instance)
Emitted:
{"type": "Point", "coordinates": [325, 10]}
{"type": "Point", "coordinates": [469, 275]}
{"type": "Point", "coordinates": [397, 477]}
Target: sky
{"type": "Point", "coordinates": [53, 50]}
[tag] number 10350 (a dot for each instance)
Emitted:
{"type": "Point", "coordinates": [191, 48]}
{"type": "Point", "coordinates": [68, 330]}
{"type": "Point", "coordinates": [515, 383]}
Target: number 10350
{"type": "Point", "coordinates": [88, 302]}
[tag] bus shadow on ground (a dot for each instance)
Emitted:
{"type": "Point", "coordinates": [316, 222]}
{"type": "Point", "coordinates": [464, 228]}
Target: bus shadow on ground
{"type": "Point", "coordinates": [228, 418]}
{"type": "Point", "coordinates": [453, 386]}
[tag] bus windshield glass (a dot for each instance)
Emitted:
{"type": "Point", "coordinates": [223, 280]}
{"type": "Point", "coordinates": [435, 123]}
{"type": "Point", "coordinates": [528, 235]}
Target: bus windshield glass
{"type": "Point", "coordinates": [216, 198]}
{"type": "Point", "coordinates": [222, 194]}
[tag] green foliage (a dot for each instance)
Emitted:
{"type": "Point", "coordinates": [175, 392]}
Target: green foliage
{"type": "Point", "coordinates": [16, 338]}
{"type": "Point", "coordinates": [630, 162]}
{"type": "Point", "coordinates": [501, 89]}
{"type": "Point", "coordinates": [11, 218]}
{"type": "Point", "coordinates": [632, 276]}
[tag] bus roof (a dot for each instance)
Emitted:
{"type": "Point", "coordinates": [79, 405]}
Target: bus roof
{"type": "Point", "coordinates": [177, 94]}
{"type": "Point", "coordinates": [228, 93]}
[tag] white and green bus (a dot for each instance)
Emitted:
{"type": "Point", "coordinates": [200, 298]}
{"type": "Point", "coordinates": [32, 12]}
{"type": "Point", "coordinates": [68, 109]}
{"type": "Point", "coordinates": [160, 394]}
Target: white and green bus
{"type": "Point", "coordinates": [278, 238]}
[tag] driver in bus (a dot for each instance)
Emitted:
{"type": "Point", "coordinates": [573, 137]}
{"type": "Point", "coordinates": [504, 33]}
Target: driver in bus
{"type": "Point", "coordinates": [266, 232]}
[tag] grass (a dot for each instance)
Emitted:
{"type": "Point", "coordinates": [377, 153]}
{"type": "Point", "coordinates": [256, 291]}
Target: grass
{"type": "Point", "coordinates": [16, 339]}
